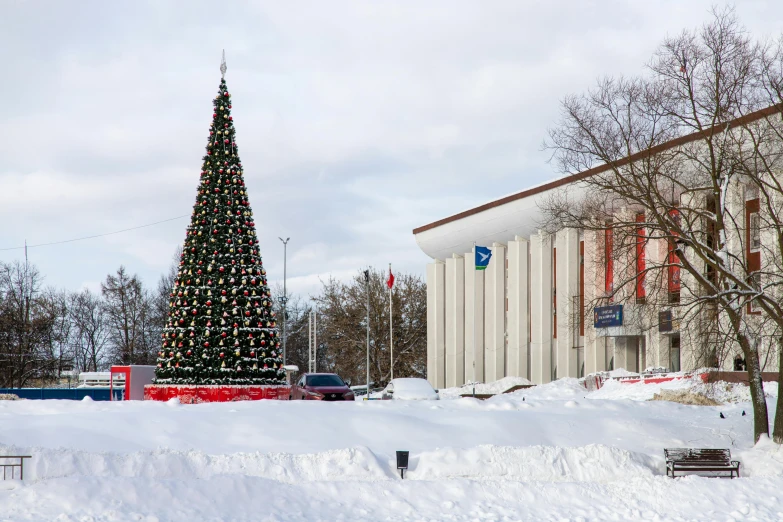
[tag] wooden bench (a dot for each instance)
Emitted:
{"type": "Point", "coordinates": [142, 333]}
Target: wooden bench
{"type": "Point", "coordinates": [13, 465]}
{"type": "Point", "coordinates": [699, 459]}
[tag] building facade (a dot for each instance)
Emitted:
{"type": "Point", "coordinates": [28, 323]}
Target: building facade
{"type": "Point", "coordinates": [532, 313]}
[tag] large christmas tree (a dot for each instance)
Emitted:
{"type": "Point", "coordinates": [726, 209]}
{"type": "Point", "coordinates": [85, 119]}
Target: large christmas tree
{"type": "Point", "coordinates": [221, 328]}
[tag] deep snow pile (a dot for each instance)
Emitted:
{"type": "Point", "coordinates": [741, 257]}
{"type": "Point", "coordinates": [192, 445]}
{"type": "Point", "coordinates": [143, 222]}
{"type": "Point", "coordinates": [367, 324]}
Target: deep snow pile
{"type": "Point", "coordinates": [722, 392]}
{"type": "Point", "coordinates": [481, 388]}
{"type": "Point", "coordinates": [552, 452]}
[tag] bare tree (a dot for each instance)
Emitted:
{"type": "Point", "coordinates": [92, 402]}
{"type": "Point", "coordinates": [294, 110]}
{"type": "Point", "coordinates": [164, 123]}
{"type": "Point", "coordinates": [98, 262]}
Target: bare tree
{"type": "Point", "coordinates": [679, 149]}
{"type": "Point", "coordinates": [56, 341]}
{"type": "Point", "coordinates": [91, 333]}
{"type": "Point", "coordinates": [342, 309]}
{"type": "Point", "coordinates": [26, 324]}
{"type": "Point", "coordinates": [158, 305]}
{"type": "Point", "coordinates": [297, 342]}
{"type": "Point", "coordinates": [128, 311]}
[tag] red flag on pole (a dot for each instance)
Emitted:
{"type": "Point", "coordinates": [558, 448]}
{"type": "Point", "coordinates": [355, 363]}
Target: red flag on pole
{"type": "Point", "coordinates": [390, 281]}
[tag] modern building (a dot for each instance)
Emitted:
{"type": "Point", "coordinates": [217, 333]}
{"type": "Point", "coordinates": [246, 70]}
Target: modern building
{"type": "Point", "coordinates": [525, 315]}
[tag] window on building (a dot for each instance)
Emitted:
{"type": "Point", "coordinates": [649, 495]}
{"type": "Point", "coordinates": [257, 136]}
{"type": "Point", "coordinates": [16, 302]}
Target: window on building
{"type": "Point", "coordinates": [755, 231]}
{"type": "Point", "coordinates": [753, 244]}
{"type": "Point", "coordinates": [641, 243]}
{"type": "Point", "coordinates": [673, 260]}
{"type": "Point", "coordinates": [674, 353]}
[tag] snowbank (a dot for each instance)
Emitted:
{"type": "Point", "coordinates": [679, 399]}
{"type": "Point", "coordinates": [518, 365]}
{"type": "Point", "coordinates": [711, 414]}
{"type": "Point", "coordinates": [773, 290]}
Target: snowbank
{"type": "Point", "coordinates": [339, 464]}
{"type": "Point", "coordinates": [721, 392]}
{"type": "Point", "coordinates": [493, 388]}
{"type": "Point", "coordinates": [561, 389]}
{"type": "Point", "coordinates": [593, 463]}
{"type": "Point", "coordinates": [497, 459]}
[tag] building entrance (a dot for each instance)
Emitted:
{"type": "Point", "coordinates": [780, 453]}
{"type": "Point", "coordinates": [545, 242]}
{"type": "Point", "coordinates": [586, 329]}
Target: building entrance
{"type": "Point", "coordinates": [630, 353]}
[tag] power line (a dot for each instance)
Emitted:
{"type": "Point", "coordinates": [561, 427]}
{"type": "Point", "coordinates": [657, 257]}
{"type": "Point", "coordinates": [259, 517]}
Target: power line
{"type": "Point", "coordinates": [93, 237]}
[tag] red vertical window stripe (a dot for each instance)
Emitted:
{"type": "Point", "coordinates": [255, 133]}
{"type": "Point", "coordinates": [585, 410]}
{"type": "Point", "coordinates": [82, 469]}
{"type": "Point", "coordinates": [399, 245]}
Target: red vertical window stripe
{"type": "Point", "coordinates": [753, 257]}
{"type": "Point", "coordinates": [581, 288]}
{"type": "Point", "coordinates": [609, 274]}
{"type": "Point", "coordinates": [554, 291]}
{"type": "Point", "coordinates": [641, 242]}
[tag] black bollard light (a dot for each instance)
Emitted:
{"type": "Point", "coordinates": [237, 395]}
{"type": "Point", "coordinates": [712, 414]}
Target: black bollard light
{"type": "Point", "coordinates": [402, 462]}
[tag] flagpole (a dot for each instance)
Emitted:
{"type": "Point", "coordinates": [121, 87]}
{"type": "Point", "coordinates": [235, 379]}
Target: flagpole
{"type": "Point", "coordinates": [391, 328]}
{"type": "Point", "coordinates": [367, 287]}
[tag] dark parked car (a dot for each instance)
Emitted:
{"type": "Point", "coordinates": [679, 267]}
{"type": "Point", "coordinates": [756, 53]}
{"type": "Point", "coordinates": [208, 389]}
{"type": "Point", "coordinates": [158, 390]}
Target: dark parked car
{"type": "Point", "coordinates": [321, 387]}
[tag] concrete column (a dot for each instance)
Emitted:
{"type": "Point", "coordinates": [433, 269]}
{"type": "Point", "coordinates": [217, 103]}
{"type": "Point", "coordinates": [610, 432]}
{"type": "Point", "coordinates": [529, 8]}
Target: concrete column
{"type": "Point", "coordinates": [474, 320]}
{"type": "Point", "coordinates": [495, 315]}
{"type": "Point", "coordinates": [436, 323]}
{"type": "Point", "coordinates": [455, 321]}
{"type": "Point", "coordinates": [567, 243]}
{"type": "Point", "coordinates": [517, 326]}
{"type": "Point", "coordinates": [595, 347]}
{"type": "Point", "coordinates": [541, 308]}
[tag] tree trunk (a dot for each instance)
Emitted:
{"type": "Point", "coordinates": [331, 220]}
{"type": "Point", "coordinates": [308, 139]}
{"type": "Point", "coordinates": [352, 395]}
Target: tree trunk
{"type": "Point", "coordinates": [760, 415]}
{"type": "Point", "coordinates": [777, 430]}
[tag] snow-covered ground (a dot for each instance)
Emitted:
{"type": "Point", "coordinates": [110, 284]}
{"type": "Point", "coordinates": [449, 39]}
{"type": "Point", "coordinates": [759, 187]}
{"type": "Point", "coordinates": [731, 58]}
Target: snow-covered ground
{"type": "Point", "coordinates": [483, 388]}
{"type": "Point", "coordinates": [552, 452]}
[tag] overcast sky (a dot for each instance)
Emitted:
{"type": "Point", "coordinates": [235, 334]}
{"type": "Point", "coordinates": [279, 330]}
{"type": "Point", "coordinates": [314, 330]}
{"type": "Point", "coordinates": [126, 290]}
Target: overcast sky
{"type": "Point", "coordinates": [356, 121]}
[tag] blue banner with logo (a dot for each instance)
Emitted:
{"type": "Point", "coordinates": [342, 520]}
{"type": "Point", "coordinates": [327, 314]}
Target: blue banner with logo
{"type": "Point", "coordinates": [608, 316]}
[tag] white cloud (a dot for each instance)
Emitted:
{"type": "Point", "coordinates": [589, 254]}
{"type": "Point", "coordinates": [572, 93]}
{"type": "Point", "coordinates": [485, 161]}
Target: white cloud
{"type": "Point", "coordinates": [356, 122]}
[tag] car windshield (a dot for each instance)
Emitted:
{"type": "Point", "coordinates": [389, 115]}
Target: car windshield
{"type": "Point", "coordinates": [324, 380]}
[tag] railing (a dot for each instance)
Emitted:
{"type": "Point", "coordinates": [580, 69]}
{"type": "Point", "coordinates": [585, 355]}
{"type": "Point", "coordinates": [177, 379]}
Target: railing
{"type": "Point", "coordinates": [13, 466]}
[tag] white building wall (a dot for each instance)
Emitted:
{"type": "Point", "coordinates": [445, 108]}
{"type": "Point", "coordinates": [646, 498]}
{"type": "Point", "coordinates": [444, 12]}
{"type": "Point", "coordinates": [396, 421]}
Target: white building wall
{"type": "Point", "coordinates": [657, 286]}
{"type": "Point", "coordinates": [567, 243]}
{"type": "Point", "coordinates": [455, 321]}
{"type": "Point", "coordinates": [595, 347]}
{"type": "Point", "coordinates": [541, 308]}
{"type": "Point", "coordinates": [518, 332]}
{"type": "Point", "coordinates": [495, 315]}
{"type": "Point", "coordinates": [474, 320]}
{"type": "Point", "coordinates": [436, 323]}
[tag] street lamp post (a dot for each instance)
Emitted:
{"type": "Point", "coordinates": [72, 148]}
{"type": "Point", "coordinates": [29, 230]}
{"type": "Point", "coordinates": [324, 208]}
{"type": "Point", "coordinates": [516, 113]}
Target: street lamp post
{"type": "Point", "coordinates": [367, 285]}
{"type": "Point", "coordinates": [284, 298]}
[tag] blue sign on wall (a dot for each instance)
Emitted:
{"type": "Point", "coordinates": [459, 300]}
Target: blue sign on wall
{"type": "Point", "coordinates": [606, 316]}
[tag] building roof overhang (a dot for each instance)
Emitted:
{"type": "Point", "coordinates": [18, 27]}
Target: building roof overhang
{"type": "Point", "coordinates": [518, 214]}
